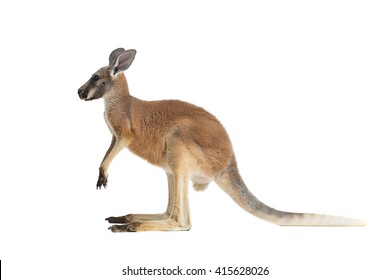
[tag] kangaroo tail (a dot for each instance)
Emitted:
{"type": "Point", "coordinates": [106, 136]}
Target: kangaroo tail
{"type": "Point", "coordinates": [231, 182]}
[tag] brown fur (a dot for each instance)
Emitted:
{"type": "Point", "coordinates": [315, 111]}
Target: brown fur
{"type": "Point", "coordinates": [186, 141]}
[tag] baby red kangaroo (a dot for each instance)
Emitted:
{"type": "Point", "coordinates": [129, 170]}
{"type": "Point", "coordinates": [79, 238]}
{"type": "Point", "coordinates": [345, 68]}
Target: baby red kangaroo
{"type": "Point", "coordinates": [187, 142]}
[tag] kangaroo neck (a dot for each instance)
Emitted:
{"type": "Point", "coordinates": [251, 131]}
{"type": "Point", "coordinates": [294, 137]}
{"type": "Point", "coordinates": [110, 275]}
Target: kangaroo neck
{"type": "Point", "coordinates": [118, 105]}
{"type": "Point", "coordinates": [118, 97]}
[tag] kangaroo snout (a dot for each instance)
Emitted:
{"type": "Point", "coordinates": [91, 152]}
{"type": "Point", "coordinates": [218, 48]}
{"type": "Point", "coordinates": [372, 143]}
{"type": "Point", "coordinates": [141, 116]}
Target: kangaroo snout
{"type": "Point", "coordinates": [81, 93]}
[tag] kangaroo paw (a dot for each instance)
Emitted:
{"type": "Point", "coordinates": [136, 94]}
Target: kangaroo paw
{"type": "Point", "coordinates": [117, 220]}
{"type": "Point", "coordinates": [132, 227]}
{"type": "Point", "coordinates": [102, 180]}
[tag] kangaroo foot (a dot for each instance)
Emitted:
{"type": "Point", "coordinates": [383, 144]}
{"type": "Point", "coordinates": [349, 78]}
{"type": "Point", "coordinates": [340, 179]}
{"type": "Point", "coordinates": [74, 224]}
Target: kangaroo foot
{"type": "Point", "coordinates": [132, 227]}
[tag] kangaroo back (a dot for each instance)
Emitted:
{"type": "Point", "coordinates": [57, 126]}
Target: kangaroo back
{"type": "Point", "coordinates": [231, 182]}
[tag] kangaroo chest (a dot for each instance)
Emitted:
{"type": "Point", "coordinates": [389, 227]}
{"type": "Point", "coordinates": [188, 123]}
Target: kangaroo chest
{"type": "Point", "coordinates": [110, 126]}
{"type": "Point", "coordinates": [118, 123]}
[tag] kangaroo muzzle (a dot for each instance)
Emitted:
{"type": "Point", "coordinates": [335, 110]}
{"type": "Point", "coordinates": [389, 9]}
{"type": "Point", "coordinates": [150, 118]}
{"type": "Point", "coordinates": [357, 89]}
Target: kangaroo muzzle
{"type": "Point", "coordinates": [82, 94]}
{"type": "Point", "coordinates": [88, 95]}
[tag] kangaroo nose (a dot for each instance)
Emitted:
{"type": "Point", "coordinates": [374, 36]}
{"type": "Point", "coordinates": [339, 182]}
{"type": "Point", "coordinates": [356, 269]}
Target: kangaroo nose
{"type": "Point", "coordinates": [79, 91]}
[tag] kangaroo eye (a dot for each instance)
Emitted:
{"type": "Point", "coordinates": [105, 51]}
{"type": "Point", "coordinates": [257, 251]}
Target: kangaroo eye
{"type": "Point", "coordinates": [95, 77]}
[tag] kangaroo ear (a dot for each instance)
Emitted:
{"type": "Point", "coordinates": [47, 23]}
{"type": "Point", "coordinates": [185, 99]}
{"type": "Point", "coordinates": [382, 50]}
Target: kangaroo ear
{"type": "Point", "coordinates": [114, 55]}
{"type": "Point", "coordinates": [122, 62]}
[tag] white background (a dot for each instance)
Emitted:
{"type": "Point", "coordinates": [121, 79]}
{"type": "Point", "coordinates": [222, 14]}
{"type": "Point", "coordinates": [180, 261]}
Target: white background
{"type": "Point", "coordinates": [301, 87]}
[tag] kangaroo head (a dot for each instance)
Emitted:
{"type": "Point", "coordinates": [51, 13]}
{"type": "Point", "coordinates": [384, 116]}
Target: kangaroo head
{"type": "Point", "coordinates": [103, 80]}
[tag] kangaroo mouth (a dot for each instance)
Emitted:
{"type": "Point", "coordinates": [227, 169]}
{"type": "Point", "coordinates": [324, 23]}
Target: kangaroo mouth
{"type": "Point", "coordinates": [85, 97]}
{"type": "Point", "coordinates": [90, 95]}
{"type": "Point", "coordinates": [90, 98]}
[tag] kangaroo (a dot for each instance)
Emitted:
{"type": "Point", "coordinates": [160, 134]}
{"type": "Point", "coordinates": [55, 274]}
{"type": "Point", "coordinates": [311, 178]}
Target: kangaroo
{"type": "Point", "coordinates": [186, 141]}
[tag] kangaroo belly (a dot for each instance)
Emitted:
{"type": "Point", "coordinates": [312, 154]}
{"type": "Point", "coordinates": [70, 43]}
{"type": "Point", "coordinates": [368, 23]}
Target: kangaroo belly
{"type": "Point", "coordinates": [151, 150]}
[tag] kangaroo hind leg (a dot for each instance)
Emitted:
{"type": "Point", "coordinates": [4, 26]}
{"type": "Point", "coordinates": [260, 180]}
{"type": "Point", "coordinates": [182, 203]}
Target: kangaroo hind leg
{"type": "Point", "coordinates": [144, 217]}
{"type": "Point", "coordinates": [176, 217]}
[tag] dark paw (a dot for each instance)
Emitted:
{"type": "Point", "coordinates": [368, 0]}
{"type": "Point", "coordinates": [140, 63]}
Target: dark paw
{"type": "Point", "coordinates": [132, 227]}
{"type": "Point", "coordinates": [117, 220]}
{"type": "Point", "coordinates": [102, 181]}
